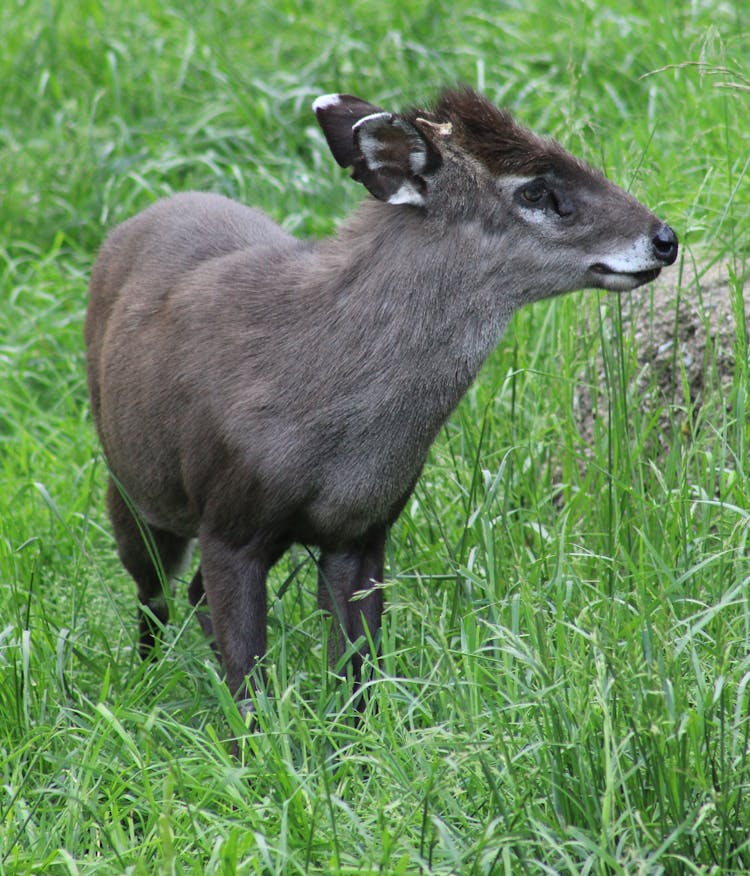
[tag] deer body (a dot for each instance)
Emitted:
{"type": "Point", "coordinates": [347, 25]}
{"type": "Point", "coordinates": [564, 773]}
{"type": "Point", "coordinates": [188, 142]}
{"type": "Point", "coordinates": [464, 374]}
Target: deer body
{"type": "Point", "coordinates": [255, 390]}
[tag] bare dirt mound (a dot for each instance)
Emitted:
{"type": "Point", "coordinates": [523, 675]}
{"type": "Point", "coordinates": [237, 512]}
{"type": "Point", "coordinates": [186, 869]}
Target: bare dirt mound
{"type": "Point", "coordinates": [686, 339]}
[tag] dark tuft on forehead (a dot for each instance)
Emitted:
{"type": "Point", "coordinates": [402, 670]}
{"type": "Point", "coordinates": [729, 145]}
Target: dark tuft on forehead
{"type": "Point", "coordinates": [493, 137]}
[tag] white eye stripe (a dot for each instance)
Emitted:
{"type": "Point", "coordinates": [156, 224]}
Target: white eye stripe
{"type": "Point", "coordinates": [514, 181]}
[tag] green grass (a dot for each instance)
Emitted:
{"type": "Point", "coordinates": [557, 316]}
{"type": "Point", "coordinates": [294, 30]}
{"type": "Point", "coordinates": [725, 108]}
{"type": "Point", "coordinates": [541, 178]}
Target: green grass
{"type": "Point", "coordinates": [565, 683]}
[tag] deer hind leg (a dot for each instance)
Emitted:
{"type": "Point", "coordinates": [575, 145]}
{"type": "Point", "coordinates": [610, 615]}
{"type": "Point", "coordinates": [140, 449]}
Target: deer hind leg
{"type": "Point", "coordinates": [343, 576]}
{"type": "Point", "coordinates": [151, 556]}
{"type": "Point", "coordinates": [234, 579]}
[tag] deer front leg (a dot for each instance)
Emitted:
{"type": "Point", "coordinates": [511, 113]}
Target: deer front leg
{"type": "Point", "coordinates": [234, 579]}
{"type": "Point", "coordinates": [341, 575]}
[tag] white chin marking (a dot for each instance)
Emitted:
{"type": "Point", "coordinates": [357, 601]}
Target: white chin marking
{"type": "Point", "coordinates": [406, 194]}
{"type": "Point", "coordinates": [623, 282]}
{"type": "Point", "coordinates": [326, 101]}
{"type": "Point", "coordinates": [619, 282]}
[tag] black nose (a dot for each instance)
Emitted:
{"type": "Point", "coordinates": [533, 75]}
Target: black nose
{"type": "Point", "coordinates": [665, 245]}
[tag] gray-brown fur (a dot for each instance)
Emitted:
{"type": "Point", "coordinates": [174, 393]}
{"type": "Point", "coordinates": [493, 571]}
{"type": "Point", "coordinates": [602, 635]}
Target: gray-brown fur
{"type": "Point", "coordinates": [255, 390]}
{"type": "Point", "coordinates": [494, 137]}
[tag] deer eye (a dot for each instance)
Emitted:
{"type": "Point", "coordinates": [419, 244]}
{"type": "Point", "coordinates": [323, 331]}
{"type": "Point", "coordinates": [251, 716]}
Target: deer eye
{"type": "Point", "coordinates": [534, 192]}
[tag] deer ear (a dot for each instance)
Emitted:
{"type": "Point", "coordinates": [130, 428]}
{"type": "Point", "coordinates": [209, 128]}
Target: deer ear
{"type": "Point", "coordinates": [388, 155]}
{"type": "Point", "coordinates": [337, 114]}
{"type": "Point", "coordinates": [392, 157]}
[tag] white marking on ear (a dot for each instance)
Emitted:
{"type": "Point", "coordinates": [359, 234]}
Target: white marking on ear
{"type": "Point", "coordinates": [365, 119]}
{"type": "Point", "coordinates": [326, 101]}
{"type": "Point", "coordinates": [418, 159]}
{"type": "Point", "coordinates": [368, 142]}
{"type": "Point", "coordinates": [407, 194]}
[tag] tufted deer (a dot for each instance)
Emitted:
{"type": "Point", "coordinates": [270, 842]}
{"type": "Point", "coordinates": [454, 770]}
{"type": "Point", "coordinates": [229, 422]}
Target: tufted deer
{"type": "Point", "coordinates": [255, 390]}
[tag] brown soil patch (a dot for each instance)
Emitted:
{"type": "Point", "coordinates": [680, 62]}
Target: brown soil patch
{"type": "Point", "coordinates": [685, 339]}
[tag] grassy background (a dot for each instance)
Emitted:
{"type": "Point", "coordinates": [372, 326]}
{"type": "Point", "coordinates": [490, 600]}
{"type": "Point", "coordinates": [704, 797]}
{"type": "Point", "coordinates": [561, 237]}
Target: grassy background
{"type": "Point", "coordinates": [564, 686]}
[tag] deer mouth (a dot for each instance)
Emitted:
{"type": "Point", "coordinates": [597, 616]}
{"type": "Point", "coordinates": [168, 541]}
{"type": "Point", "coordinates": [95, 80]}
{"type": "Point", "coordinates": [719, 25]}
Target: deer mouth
{"type": "Point", "coordinates": [622, 280]}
